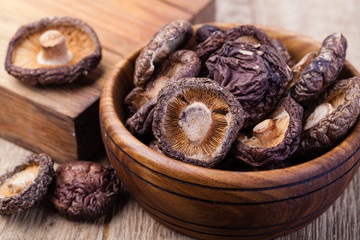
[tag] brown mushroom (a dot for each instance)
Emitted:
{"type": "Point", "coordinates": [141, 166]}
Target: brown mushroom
{"type": "Point", "coordinates": [272, 140]}
{"type": "Point", "coordinates": [53, 50]}
{"type": "Point", "coordinates": [180, 64]}
{"type": "Point", "coordinates": [26, 184]}
{"type": "Point", "coordinates": [283, 52]}
{"type": "Point", "coordinates": [331, 118]}
{"type": "Point", "coordinates": [242, 33]}
{"type": "Point", "coordinates": [205, 31]}
{"type": "Point", "coordinates": [255, 74]}
{"type": "Point", "coordinates": [164, 42]}
{"type": "Point", "coordinates": [85, 190]}
{"type": "Point", "coordinates": [322, 70]}
{"type": "Point", "coordinates": [196, 121]}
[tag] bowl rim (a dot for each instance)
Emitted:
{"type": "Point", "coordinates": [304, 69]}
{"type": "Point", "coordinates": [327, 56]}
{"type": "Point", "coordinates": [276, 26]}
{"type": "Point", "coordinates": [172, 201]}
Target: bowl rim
{"type": "Point", "coordinates": [216, 178]}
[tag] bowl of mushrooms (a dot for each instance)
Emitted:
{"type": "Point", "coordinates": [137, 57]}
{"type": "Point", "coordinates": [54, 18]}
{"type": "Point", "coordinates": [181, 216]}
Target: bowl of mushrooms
{"type": "Point", "coordinates": [228, 131]}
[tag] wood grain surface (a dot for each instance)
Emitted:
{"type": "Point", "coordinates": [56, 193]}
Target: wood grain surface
{"type": "Point", "coordinates": [316, 19]}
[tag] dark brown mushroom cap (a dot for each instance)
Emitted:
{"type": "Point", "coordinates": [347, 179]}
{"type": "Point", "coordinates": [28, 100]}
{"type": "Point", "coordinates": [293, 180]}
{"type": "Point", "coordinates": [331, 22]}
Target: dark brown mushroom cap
{"type": "Point", "coordinates": [283, 52]}
{"type": "Point", "coordinates": [242, 33]}
{"type": "Point", "coordinates": [34, 191]}
{"type": "Point", "coordinates": [140, 123]}
{"type": "Point", "coordinates": [260, 156]}
{"type": "Point", "coordinates": [332, 128]}
{"type": "Point", "coordinates": [23, 48]}
{"type": "Point", "coordinates": [196, 121]}
{"type": "Point", "coordinates": [164, 42]}
{"type": "Point", "coordinates": [248, 33]}
{"type": "Point", "coordinates": [179, 64]}
{"type": "Point", "coordinates": [85, 190]}
{"type": "Point", "coordinates": [255, 74]}
{"type": "Point", "coordinates": [205, 31]}
{"type": "Point", "coordinates": [322, 70]}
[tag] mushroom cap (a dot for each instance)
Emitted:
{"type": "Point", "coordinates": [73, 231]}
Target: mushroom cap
{"type": "Point", "coordinates": [82, 42]}
{"type": "Point", "coordinates": [196, 121]}
{"type": "Point", "coordinates": [322, 70]}
{"type": "Point", "coordinates": [34, 191]}
{"type": "Point", "coordinates": [163, 43]}
{"type": "Point", "coordinates": [255, 74]}
{"type": "Point", "coordinates": [203, 32]}
{"type": "Point", "coordinates": [179, 64]}
{"type": "Point", "coordinates": [259, 156]}
{"type": "Point", "coordinates": [329, 131]}
{"type": "Point", "coordinates": [85, 190]}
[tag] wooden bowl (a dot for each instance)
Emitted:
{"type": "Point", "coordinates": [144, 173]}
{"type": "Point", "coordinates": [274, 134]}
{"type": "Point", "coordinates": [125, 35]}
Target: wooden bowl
{"type": "Point", "coordinates": [218, 204]}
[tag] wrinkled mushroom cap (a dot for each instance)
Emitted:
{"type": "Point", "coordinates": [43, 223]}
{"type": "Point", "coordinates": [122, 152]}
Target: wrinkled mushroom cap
{"type": "Point", "coordinates": [196, 121]}
{"type": "Point", "coordinates": [331, 118]}
{"type": "Point", "coordinates": [179, 64]}
{"type": "Point", "coordinates": [26, 184]}
{"type": "Point", "coordinates": [85, 190]}
{"type": "Point", "coordinates": [255, 74]}
{"type": "Point", "coordinates": [163, 43]}
{"type": "Point", "coordinates": [272, 140]}
{"type": "Point", "coordinates": [24, 48]}
{"type": "Point", "coordinates": [322, 70]}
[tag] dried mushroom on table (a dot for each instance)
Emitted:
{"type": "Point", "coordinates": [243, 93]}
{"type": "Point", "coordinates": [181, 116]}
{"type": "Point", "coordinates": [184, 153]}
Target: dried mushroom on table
{"type": "Point", "coordinates": [26, 184]}
{"type": "Point", "coordinates": [84, 190]}
{"type": "Point", "coordinates": [241, 106]}
{"type": "Point", "coordinates": [53, 50]}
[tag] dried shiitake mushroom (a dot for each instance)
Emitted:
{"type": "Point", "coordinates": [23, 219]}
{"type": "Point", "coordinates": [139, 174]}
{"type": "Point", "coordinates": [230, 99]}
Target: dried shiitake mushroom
{"type": "Point", "coordinates": [272, 140]}
{"type": "Point", "coordinates": [163, 43]}
{"type": "Point", "coordinates": [53, 50]}
{"type": "Point", "coordinates": [322, 70]}
{"type": "Point", "coordinates": [140, 123]}
{"type": "Point", "coordinates": [196, 121]}
{"type": "Point", "coordinates": [85, 190]}
{"type": "Point", "coordinates": [331, 118]}
{"type": "Point", "coordinates": [205, 31]}
{"type": "Point", "coordinates": [242, 33]}
{"type": "Point", "coordinates": [25, 185]}
{"type": "Point", "coordinates": [255, 74]}
{"type": "Point", "coordinates": [179, 64]}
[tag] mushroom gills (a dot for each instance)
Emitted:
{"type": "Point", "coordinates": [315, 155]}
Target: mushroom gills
{"type": "Point", "coordinates": [197, 127]}
{"type": "Point", "coordinates": [270, 132]}
{"type": "Point", "coordinates": [19, 181]}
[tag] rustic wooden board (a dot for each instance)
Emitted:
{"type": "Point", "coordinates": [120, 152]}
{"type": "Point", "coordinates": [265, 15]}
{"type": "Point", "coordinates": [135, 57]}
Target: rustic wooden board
{"type": "Point", "coordinates": [63, 120]}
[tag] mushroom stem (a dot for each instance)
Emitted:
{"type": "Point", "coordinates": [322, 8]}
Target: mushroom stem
{"type": "Point", "coordinates": [53, 49]}
{"type": "Point", "coordinates": [195, 122]}
{"type": "Point", "coordinates": [319, 113]}
{"type": "Point", "coordinates": [265, 131]}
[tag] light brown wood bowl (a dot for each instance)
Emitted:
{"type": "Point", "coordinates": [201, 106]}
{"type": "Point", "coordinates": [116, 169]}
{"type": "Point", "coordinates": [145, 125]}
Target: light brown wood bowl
{"type": "Point", "coordinates": [218, 204]}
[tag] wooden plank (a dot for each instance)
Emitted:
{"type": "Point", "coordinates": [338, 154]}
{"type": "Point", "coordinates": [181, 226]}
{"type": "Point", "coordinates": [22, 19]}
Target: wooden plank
{"type": "Point", "coordinates": [122, 26]}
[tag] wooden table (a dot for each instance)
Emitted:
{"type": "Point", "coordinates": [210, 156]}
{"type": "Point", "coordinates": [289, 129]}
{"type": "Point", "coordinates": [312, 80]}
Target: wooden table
{"type": "Point", "coordinates": [316, 19]}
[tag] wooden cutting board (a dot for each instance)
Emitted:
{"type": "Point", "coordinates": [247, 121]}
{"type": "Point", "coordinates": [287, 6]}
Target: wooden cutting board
{"type": "Point", "coordinates": [63, 120]}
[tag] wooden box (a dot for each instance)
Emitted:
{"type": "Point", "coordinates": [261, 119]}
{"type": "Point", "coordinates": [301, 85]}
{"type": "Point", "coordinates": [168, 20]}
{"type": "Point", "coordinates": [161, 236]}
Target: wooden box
{"type": "Point", "coordinates": [63, 120]}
